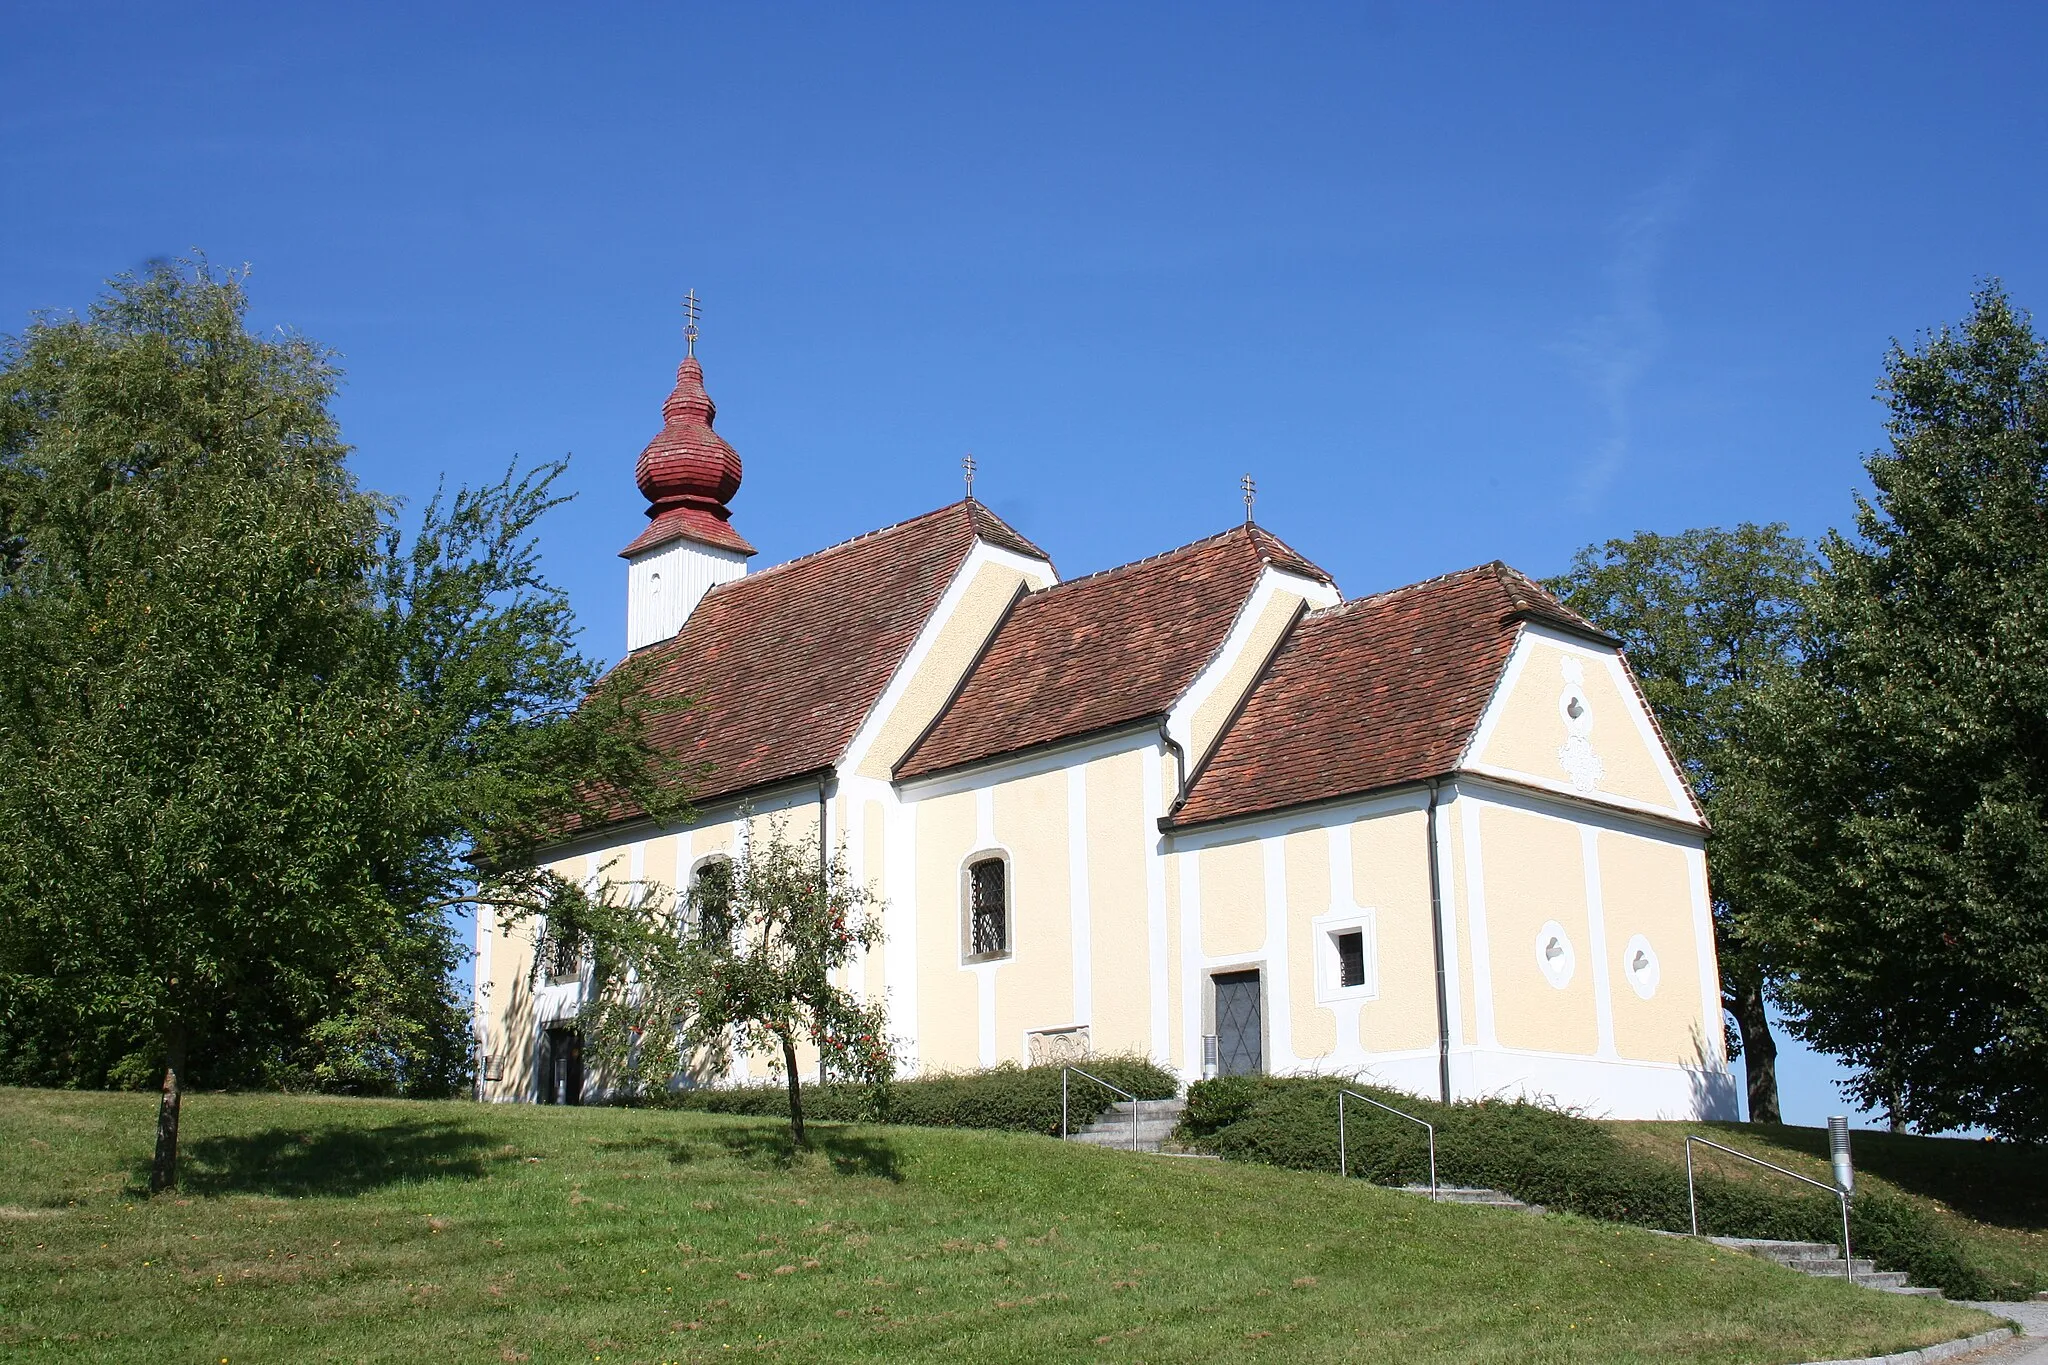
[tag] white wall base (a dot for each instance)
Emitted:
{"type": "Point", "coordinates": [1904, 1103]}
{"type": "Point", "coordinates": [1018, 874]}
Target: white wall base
{"type": "Point", "coordinates": [1602, 1089]}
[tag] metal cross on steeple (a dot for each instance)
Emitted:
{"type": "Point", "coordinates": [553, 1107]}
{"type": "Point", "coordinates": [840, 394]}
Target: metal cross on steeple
{"type": "Point", "coordinates": [1251, 493]}
{"type": "Point", "coordinates": [967, 467]}
{"type": "Point", "coordinates": [690, 323]}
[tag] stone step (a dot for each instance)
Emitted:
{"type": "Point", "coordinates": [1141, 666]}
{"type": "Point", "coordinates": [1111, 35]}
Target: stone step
{"type": "Point", "coordinates": [1832, 1266]}
{"type": "Point", "coordinates": [1824, 1260]}
{"type": "Point", "coordinates": [1119, 1134]}
{"type": "Point", "coordinates": [1147, 1109]}
{"type": "Point", "coordinates": [1467, 1194]}
{"type": "Point", "coordinates": [1772, 1249]}
{"type": "Point", "coordinates": [1156, 1122]}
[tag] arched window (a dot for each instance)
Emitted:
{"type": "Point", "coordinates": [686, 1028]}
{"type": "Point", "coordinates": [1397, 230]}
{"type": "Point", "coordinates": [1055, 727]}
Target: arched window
{"type": "Point", "coordinates": [988, 908]}
{"type": "Point", "coordinates": [711, 898]}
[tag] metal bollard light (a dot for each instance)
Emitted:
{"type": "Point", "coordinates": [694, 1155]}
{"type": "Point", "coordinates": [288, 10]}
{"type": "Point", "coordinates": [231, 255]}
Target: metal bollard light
{"type": "Point", "coordinates": [1838, 1149]}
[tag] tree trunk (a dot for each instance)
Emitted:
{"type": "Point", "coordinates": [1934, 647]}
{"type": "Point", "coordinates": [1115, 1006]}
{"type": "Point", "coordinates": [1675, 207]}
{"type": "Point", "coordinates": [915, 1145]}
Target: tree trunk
{"type": "Point", "coordinates": [163, 1172]}
{"type": "Point", "coordinates": [1759, 1050]}
{"type": "Point", "coordinates": [796, 1094]}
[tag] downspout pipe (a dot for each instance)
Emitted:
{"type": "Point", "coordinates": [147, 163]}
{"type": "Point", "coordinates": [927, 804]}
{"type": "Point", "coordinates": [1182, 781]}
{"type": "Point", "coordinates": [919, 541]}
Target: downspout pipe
{"type": "Point", "coordinates": [1436, 935]}
{"type": "Point", "coordinates": [1180, 762]}
{"type": "Point", "coordinates": [824, 853]}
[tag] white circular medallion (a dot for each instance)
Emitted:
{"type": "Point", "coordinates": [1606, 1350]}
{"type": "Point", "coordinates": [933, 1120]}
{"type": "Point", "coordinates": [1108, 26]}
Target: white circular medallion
{"type": "Point", "coordinates": [1554, 956]}
{"type": "Point", "coordinates": [1639, 965]}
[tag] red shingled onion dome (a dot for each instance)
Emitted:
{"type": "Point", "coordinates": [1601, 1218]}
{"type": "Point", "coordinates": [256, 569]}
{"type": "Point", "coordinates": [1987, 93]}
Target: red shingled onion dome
{"type": "Point", "coordinates": [688, 464]}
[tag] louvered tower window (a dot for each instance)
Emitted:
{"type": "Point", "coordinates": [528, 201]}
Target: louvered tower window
{"type": "Point", "coordinates": [988, 909]}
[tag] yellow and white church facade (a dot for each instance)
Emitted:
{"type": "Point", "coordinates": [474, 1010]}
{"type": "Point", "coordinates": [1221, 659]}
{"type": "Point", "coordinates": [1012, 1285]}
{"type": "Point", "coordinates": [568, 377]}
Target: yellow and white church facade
{"type": "Point", "coordinates": [1199, 807]}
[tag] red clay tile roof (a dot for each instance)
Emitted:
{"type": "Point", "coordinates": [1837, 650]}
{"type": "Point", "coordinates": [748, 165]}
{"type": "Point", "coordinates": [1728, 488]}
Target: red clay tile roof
{"type": "Point", "coordinates": [786, 663]}
{"type": "Point", "coordinates": [688, 523]}
{"type": "Point", "coordinates": [1097, 652]}
{"type": "Point", "coordinates": [1371, 694]}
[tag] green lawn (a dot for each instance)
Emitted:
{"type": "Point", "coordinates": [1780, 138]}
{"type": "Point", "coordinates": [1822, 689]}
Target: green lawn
{"type": "Point", "coordinates": [314, 1229]}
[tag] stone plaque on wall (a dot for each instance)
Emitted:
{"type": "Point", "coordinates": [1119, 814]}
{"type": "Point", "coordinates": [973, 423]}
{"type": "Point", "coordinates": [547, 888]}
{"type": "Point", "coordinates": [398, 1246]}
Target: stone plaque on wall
{"type": "Point", "coordinates": [1059, 1047]}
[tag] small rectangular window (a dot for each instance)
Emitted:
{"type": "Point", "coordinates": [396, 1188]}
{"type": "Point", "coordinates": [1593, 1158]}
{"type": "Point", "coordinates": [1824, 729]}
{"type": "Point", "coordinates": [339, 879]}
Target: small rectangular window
{"type": "Point", "coordinates": [988, 909]}
{"type": "Point", "coordinates": [1350, 958]}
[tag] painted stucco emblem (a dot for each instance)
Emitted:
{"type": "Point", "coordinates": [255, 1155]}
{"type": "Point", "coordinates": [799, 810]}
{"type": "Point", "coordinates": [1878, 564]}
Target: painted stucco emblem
{"type": "Point", "coordinates": [1576, 754]}
{"type": "Point", "coordinates": [1639, 965]}
{"type": "Point", "coordinates": [1554, 955]}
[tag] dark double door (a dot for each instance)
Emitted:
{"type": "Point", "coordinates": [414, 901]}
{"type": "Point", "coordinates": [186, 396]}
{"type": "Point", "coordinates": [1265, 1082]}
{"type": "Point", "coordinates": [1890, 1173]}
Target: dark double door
{"type": "Point", "coordinates": [561, 1066]}
{"type": "Point", "coordinates": [1240, 1026]}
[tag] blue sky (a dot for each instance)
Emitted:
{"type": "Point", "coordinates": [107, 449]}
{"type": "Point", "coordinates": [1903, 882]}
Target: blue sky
{"type": "Point", "coordinates": [1454, 283]}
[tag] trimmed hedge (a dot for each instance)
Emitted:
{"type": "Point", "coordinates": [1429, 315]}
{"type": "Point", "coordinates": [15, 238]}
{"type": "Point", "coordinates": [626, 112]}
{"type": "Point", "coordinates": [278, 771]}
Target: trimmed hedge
{"type": "Point", "coordinates": [1019, 1098]}
{"type": "Point", "coordinates": [1559, 1160]}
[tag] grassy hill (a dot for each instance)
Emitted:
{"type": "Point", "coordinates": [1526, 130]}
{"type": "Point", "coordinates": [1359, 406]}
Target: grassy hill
{"type": "Point", "coordinates": [1970, 1218]}
{"type": "Point", "coordinates": [1988, 1199]}
{"type": "Point", "coordinates": [321, 1229]}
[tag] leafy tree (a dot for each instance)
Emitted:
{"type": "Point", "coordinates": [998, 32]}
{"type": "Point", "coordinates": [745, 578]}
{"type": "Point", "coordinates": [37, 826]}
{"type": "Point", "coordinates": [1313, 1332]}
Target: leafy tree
{"type": "Point", "coordinates": [1906, 765]}
{"type": "Point", "coordinates": [250, 740]}
{"type": "Point", "coordinates": [1709, 617]}
{"type": "Point", "coordinates": [746, 965]}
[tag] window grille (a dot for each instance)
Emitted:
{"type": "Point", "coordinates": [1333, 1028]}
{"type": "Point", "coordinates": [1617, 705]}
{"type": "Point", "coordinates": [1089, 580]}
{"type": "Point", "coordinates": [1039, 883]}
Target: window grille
{"type": "Point", "coordinates": [1351, 958]}
{"type": "Point", "coordinates": [988, 909]}
{"type": "Point", "coordinates": [566, 958]}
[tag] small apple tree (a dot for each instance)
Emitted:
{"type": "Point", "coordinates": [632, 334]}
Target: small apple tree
{"type": "Point", "coordinates": [746, 964]}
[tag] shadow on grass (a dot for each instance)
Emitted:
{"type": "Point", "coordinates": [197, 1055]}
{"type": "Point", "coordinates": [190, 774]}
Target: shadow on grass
{"type": "Point", "coordinates": [772, 1145]}
{"type": "Point", "coordinates": [337, 1159]}
{"type": "Point", "coordinates": [2004, 1184]}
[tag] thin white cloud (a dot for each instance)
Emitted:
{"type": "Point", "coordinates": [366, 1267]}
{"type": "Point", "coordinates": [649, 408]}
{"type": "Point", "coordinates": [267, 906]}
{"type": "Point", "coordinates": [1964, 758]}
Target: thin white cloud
{"type": "Point", "coordinates": [1614, 349]}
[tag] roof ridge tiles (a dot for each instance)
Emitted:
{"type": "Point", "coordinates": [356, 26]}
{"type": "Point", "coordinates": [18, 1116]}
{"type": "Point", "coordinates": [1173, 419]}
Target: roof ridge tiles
{"type": "Point", "coordinates": [1252, 534]}
{"type": "Point", "coordinates": [1353, 603]}
{"type": "Point", "coordinates": [964, 505]}
{"type": "Point", "coordinates": [1514, 585]}
{"type": "Point", "coordinates": [1154, 558]}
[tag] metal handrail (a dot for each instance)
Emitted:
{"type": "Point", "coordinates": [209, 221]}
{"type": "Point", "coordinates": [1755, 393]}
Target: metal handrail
{"type": "Point", "coordinates": [1692, 1197]}
{"type": "Point", "coordinates": [1343, 1159]}
{"type": "Point", "coordinates": [1135, 1101]}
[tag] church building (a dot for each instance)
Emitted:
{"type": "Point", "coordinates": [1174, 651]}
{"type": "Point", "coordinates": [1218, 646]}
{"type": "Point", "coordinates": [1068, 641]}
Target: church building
{"type": "Point", "coordinates": [1200, 807]}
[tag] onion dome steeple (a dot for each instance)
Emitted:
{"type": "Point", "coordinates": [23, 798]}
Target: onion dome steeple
{"type": "Point", "coordinates": [687, 472]}
{"type": "Point", "coordinates": [688, 475]}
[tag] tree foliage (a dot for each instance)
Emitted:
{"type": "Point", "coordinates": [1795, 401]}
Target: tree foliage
{"type": "Point", "coordinates": [1905, 768]}
{"type": "Point", "coordinates": [748, 967]}
{"type": "Point", "coordinates": [1709, 618]}
{"type": "Point", "coordinates": [250, 736]}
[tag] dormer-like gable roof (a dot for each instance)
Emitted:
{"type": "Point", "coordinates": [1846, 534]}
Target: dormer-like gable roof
{"type": "Point", "coordinates": [1095, 653]}
{"type": "Point", "coordinates": [1372, 693]}
{"type": "Point", "coordinates": [784, 665]}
